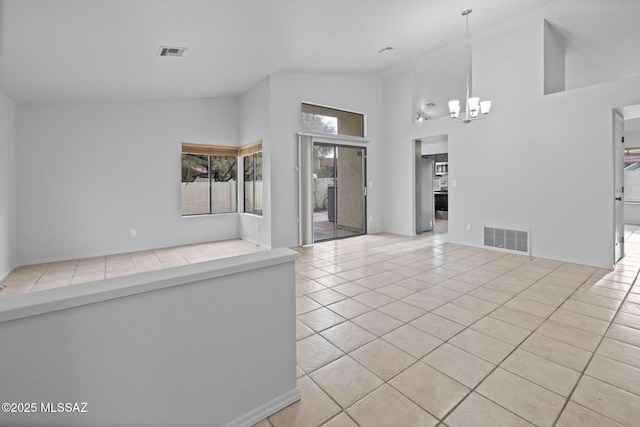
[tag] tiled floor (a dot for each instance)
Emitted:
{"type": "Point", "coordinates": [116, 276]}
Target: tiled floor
{"type": "Point", "coordinates": [324, 229]}
{"type": "Point", "coordinates": [396, 331]}
{"type": "Point", "coordinates": [402, 331]}
{"type": "Point", "coordinates": [52, 275]}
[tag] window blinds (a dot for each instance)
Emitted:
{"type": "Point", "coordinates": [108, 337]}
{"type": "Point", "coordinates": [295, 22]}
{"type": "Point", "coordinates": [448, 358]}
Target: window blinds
{"type": "Point", "coordinates": [221, 150]}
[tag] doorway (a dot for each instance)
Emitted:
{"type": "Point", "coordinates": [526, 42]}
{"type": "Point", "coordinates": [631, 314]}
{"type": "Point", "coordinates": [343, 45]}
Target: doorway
{"type": "Point", "coordinates": [618, 170]}
{"type": "Point", "coordinates": [424, 170]}
{"type": "Point", "coordinates": [431, 188]}
{"type": "Point", "coordinates": [339, 192]}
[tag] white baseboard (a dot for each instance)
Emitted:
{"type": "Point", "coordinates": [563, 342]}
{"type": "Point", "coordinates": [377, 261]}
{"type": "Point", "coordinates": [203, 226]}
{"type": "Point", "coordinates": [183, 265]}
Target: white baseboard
{"type": "Point", "coordinates": [255, 242]}
{"type": "Point", "coordinates": [266, 410]}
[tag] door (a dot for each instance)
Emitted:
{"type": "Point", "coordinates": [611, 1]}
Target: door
{"type": "Point", "coordinates": [339, 191]}
{"type": "Point", "coordinates": [427, 194]}
{"type": "Point", "coordinates": [424, 192]}
{"type": "Point", "coordinates": [618, 169]}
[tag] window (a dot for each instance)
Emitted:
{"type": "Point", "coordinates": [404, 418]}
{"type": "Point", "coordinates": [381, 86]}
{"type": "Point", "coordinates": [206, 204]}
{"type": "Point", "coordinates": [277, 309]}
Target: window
{"type": "Point", "coordinates": [252, 165]}
{"type": "Point", "coordinates": [209, 182]}
{"type": "Point", "coordinates": [253, 183]}
{"type": "Point", "coordinates": [330, 120]}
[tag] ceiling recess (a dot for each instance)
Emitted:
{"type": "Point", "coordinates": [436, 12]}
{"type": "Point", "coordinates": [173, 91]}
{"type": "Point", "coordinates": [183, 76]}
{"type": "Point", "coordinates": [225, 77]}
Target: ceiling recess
{"type": "Point", "coordinates": [171, 51]}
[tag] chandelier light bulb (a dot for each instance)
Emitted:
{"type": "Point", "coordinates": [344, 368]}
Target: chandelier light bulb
{"type": "Point", "coordinates": [474, 106]}
{"type": "Point", "coordinates": [474, 109]}
{"type": "Point", "coordinates": [454, 108]}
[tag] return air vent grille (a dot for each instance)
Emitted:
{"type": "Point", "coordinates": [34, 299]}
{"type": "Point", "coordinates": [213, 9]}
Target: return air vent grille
{"type": "Point", "coordinates": [171, 51]}
{"type": "Point", "coordinates": [510, 240]}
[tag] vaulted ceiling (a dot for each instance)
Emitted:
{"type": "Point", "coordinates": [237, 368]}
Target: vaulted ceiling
{"type": "Point", "coordinates": [73, 50]}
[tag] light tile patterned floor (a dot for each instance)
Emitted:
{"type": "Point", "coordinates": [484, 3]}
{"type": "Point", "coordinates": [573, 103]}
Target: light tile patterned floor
{"type": "Point", "coordinates": [414, 331]}
{"type": "Point", "coordinates": [397, 331]}
{"type": "Point", "coordinates": [52, 275]}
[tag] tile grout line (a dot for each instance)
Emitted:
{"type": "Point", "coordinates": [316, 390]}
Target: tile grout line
{"type": "Point", "coordinates": [510, 353]}
{"type": "Point", "coordinates": [567, 399]}
{"type": "Point", "coordinates": [557, 307]}
{"type": "Point", "coordinates": [514, 349]}
{"type": "Point", "coordinates": [344, 410]}
{"type": "Point", "coordinates": [593, 354]}
{"type": "Point", "coordinates": [384, 382]}
{"type": "Point", "coordinates": [465, 328]}
{"type": "Point", "coordinates": [444, 341]}
{"type": "Point", "coordinates": [473, 389]}
{"type": "Point", "coordinates": [577, 289]}
{"type": "Point", "coordinates": [104, 271]}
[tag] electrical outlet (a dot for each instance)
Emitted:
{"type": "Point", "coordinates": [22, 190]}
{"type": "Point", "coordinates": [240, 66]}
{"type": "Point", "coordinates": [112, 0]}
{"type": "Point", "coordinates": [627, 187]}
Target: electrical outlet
{"type": "Point", "coordinates": [468, 226]}
{"type": "Point", "coordinates": [133, 232]}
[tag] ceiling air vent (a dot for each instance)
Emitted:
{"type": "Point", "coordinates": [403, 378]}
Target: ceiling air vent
{"type": "Point", "coordinates": [171, 51]}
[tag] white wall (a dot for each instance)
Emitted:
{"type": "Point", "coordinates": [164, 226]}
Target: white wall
{"type": "Point", "coordinates": [199, 345]}
{"type": "Point", "coordinates": [543, 163]}
{"type": "Point", "coordinates": [435, 145]}
{"type": "Point", "coordinates": [129, 151]}
{"type": "Point", "coordinates": [254, 117]}
{"type": "Point", "coordinates": [87, 173]}
{"type": "Point", "coordinates": [361, 94]}
{"type": "Point", "coordinates": [399, 154]}
{"type": "Point", "coordinates": [554, 59]}
{"type": "Point", "coordinates": [7, 186]}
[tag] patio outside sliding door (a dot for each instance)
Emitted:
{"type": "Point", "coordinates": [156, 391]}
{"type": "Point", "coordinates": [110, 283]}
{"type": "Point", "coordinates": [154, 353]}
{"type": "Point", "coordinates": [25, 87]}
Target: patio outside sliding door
{"type": "Point", "coordinates": [338, 191]}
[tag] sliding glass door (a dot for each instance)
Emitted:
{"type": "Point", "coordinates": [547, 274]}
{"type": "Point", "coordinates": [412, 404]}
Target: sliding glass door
{"type": "Point", "coordinates": [338, 191]}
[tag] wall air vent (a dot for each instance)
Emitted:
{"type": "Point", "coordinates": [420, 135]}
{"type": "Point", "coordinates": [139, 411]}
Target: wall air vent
{"type": "Point", "coordinates": [516, 241]}
{"type": "Point", "coordinates": [171, 51]}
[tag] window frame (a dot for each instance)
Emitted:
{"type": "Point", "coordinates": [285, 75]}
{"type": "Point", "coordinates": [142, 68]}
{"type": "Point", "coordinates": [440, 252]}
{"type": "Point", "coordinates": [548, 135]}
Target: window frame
{"type": "Point", "coordinates": [355, 122]}
{"type": "Point", "coordinates": [211, 151]}
{"type": "Point", "coordinates": [253, 157]}
{"type": "Point", "coordinates": [239, 153]}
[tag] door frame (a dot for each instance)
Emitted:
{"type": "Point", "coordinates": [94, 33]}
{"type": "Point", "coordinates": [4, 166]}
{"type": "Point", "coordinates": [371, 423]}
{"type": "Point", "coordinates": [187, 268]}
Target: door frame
{"type": "Point", "coordinates": [305, 145]}
{"type": "Point", "coordinates": [618, 191]}
{"type": "Point", "coordinates": [336, 145]}
{"type": "Point", "coordinates": [420, 182]}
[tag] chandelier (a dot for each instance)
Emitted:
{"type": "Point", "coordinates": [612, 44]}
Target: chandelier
{"type": "Point", "coordinates": [474, 109]}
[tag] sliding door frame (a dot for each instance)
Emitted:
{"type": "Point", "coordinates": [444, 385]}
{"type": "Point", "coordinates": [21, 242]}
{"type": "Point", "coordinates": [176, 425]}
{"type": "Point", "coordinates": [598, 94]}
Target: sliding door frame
{"type": "Point", "coordinates": [305, 144]}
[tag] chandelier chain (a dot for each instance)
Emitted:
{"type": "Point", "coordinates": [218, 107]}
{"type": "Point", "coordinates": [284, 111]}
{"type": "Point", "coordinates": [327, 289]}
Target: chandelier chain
{"type": "Point", "coordinates": [469, 64]}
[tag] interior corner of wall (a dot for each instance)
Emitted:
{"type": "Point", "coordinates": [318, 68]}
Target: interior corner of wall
{"type": "Point", "coordinates": [554, 51]}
